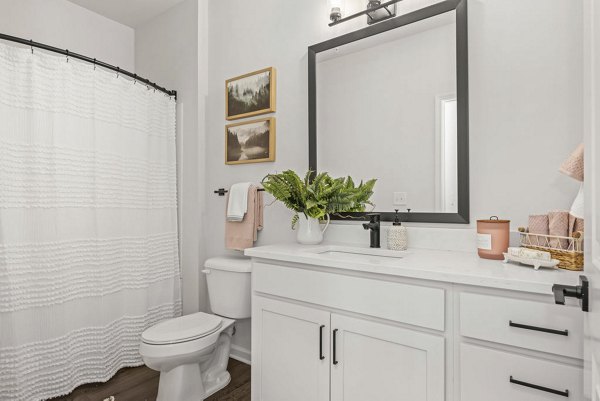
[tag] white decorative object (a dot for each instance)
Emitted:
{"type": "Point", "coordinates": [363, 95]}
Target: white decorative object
{"type": "Point", "coordinates": [309, 230]}
{"type": "Point", "coordinates": [397, 236]}
{"type": "Point", "coordinates": [577, 209]}
{"type": "Point", "coordinates": [88, 216]}
{"type": "Point", "coordinates": [536, 263]}
{"type": "Point", "coordinates": [529, 253]}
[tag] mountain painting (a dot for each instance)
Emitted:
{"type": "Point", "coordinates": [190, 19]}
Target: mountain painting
{"type": "Point", "coordinates": [250, 142]}
{"type": "Point", "coordinates": [250, 94]}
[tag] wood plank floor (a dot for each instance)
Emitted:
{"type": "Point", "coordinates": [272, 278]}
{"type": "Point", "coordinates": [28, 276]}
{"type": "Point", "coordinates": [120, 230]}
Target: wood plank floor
{"type": "Point", "coordinates": [141, 384]}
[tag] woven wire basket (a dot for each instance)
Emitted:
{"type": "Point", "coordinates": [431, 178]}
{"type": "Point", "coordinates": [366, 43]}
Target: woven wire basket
{"type": "Point", "coordinates": [567, 250]}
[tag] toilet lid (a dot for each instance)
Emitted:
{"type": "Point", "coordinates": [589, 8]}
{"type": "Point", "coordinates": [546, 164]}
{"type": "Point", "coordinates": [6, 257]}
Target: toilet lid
{"type": "Point", "coordinates": [184, 328]}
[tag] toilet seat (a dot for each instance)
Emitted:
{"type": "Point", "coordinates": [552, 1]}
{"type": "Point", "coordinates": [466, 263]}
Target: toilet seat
{"type": "Point", "coordinates": [182, 329]}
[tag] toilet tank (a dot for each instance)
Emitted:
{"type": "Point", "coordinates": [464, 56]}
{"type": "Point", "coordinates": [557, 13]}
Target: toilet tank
{"type": "Point", "coordinates": [228, 281]}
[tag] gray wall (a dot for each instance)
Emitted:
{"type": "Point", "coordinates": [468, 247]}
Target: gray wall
{"type": "Point", "coordinates": [68, 26]}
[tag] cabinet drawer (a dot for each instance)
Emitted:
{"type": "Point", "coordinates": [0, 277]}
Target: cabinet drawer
{"type": "Point", "coordinates": [405, 303]}
{"type": "Point", "coordinates": [539, 326]}
{"type": "Point", "coordinates": [493, 375]}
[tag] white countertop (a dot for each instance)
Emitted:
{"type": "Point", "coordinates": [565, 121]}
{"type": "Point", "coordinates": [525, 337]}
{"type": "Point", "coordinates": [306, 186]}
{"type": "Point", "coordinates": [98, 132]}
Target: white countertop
{"type": "Point", "coordinates": [439, 265]}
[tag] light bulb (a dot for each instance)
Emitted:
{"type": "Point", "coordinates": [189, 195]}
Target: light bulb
{"type": "Point", "coordinates": [336, 8]}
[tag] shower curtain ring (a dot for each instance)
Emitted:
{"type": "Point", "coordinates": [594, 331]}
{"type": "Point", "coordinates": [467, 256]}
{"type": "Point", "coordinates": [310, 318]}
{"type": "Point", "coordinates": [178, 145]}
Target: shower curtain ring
{"type": "Point", "coordinates": [31, 44]}
{"type": "Point", "coordinates": [118, 70]}
{"type": "Point", "coordinates": [67, 55]}
{"type": "Point", "coordinates": [94, 64]}
{"type": "Point", "coordinates": [134, 79]}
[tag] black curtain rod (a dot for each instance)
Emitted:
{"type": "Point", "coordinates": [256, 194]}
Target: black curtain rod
{"type": "Point", "coordinates": [102, 64]}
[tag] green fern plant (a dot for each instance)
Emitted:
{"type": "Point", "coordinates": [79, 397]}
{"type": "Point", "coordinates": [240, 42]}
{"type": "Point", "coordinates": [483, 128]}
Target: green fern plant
{"type": "Point", "coordinates": [318, 195]}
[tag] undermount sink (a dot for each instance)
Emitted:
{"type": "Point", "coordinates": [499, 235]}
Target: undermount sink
{"type": "Point", "coordinates": [352, 252]}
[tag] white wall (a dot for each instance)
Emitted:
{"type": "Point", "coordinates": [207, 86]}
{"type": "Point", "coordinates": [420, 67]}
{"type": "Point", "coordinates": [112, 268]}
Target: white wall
{"type": "Point", "coordinates": [525, 106]}
{"type": "Point", "coordinates": [171, 48]}
{"type": "Point", "coordinates": [66, 25]}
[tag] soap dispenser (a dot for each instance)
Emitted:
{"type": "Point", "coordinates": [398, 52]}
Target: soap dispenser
{"type": "Point", "coordinates": [397, 236]}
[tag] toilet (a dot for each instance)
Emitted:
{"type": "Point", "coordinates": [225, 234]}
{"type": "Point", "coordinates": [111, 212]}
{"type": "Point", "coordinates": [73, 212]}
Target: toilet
{"type": "Point", "coordinates": [191, 352]}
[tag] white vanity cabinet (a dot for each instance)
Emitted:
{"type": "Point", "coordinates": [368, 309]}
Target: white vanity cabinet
{"type": "Point", "coordinates": [304, 351]}
{"type": "Point", "coordinates": [432, 326]}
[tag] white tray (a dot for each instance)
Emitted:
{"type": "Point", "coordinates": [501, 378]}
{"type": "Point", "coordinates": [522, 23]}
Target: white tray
{"type": "Point", "coordinates": [536, 263]}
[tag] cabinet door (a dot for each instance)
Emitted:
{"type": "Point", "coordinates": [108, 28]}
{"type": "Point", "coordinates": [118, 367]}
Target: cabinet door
{"type": "Point", "coordinates": [290, 352]}
{"type": "Point", "coordinates": [377, 362]}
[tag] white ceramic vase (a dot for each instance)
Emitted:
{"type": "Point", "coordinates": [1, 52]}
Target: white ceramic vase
{"type": "Point", "coordinates": [309, 230]}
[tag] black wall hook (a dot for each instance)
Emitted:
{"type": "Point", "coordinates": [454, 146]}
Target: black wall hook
{"type": "Point", "coordinates": [223, 191]}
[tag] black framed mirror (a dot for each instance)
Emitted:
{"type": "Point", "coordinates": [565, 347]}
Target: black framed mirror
{"type": "Point", "coordinates": [390, 101]}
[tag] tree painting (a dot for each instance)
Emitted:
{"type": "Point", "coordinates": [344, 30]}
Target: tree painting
{"type": "Point", "coordinates": [250, 141]}
{"type": "Point", "coordinates": [249, 95]}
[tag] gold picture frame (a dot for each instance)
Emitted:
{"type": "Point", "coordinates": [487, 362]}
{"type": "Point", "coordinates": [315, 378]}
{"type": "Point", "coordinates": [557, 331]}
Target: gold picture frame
{"type": "Point", "coordinates": [250, 94]}
{"type": "Point", "coordinates": [261, 134]}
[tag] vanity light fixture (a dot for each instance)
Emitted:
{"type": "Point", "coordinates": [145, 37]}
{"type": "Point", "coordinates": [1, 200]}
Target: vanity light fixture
{"type": "Point", "coordinates": [376, 12]}
{"type": "Point", "coordinates": [336, 7]}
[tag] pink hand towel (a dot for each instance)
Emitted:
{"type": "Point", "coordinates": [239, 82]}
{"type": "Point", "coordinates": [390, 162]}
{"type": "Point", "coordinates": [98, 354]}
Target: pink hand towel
{"type": "Point", "coordinates": [559, 225]}
{"type": "Point", "coordinates": [240, 235]}
{"type": "Point", "coordinates": [538, 224]}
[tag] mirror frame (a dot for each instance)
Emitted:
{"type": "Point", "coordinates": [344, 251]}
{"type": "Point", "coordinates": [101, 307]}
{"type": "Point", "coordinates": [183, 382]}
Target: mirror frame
{"type": "Point", "coordinates": [462, 93]}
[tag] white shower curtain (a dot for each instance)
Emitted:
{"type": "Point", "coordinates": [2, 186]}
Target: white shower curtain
{"type": "Point", "coordinates": [88, 221]}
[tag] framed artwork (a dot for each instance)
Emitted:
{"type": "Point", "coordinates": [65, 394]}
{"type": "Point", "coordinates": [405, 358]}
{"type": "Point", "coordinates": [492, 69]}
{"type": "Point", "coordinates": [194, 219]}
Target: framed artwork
{"type": "Point", "coordinates": [250, 94]}
{"type": "Point", "coordinates": [250, 141]}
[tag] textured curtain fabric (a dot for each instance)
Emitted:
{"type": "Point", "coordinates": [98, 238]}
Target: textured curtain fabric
{"type": "Point", "coordinates": [88, 222]}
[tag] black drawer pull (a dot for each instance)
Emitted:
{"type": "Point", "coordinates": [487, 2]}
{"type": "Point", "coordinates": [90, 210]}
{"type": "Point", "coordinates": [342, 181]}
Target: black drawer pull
{"type": "Point", "coordinates": [335, 361]}
{"type": "Point", "coordinates": [535, 328]}
{"type": "Point", "coordinates": [321, 356]}
{"type": "Point", "coordinates": [541, 388]}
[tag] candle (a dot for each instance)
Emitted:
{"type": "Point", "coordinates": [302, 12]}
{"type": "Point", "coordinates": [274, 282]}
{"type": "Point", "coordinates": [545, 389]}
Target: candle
{"type": "Point", "coordinates": [492, 238]}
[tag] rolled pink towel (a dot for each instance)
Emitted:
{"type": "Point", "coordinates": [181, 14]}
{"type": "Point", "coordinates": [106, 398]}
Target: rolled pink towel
{"type": "Point", "coordinates": [575, 225]}
{"type": "Point", "coordinates": [558, 222]}
{"type": "Point", "coordinates": [538, 224]}
{"type": "Point", "coordinates": [573, 166]}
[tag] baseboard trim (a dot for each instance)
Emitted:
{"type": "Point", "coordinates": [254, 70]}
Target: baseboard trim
{"type": "Point", "coordinates": [240, 354]}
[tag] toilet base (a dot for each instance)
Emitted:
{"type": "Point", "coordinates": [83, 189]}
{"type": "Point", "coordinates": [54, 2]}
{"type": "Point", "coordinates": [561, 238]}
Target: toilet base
{"type": "Point", "coordinates": [196, 381]}
{"type": "Point", "coordinates": [181, 384]}
{"type": "Point", "coordinates": [212, 386]}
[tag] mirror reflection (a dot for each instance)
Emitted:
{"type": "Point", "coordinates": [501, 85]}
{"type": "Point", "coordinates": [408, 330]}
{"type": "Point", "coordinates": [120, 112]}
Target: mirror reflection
{"type": "Point", "coordinates": [386, 108]}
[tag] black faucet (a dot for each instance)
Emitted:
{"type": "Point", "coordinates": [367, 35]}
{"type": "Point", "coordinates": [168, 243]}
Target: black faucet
{"type": "Point", "coordinates": [374, 226]}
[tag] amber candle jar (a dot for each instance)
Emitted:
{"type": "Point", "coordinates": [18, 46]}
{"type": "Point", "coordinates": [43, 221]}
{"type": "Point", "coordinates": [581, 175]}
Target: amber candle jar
{"type": "Point", "coordinates": [492, 238]}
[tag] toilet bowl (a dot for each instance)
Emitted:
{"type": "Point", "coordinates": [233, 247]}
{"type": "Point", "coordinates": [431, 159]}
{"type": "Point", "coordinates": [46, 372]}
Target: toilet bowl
{"type": "Point", "coordinates": [191, 352]}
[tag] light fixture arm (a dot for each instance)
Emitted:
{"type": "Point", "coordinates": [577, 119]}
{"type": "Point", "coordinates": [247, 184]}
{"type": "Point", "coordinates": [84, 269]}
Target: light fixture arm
{"type": "Point", "coordinates": [371, 7]}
